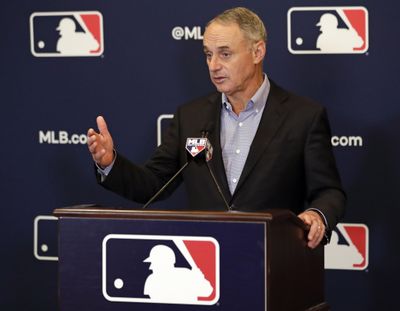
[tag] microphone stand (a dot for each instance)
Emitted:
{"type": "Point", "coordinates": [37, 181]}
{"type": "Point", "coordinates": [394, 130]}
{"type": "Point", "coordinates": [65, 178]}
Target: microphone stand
{"type": "Point", "coordinates": [218, 187]}
{"type": "Point", "coordinates": [165, 186]}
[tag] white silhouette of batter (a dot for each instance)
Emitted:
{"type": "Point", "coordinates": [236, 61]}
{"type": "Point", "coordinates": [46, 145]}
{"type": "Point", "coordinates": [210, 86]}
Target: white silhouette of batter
{"type": "Point", "coordinates": [336, 40]}
{"type": "Point", "coordinates": [72, 42]}
{"type": "Point", "coordinates": [169, 284]}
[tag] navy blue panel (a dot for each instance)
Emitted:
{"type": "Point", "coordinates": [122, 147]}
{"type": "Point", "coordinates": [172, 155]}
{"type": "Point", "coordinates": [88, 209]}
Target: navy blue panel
{"type": "Point", "coordinates": [241, 261]}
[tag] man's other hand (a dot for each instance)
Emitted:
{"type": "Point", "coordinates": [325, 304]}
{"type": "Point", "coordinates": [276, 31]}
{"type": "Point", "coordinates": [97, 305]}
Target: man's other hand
{"type": "Point", "coordinates": [100, 144]}
{"type": "Point", "coordinates": [317, 227]}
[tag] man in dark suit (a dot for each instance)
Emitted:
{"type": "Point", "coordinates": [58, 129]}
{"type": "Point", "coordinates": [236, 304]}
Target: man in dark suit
{"type": "Point", "coordinates": [271, 148]}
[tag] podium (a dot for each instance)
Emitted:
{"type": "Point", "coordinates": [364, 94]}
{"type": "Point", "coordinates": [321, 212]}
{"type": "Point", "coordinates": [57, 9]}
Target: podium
{"type": "Point", "coordinates": [116, 259]}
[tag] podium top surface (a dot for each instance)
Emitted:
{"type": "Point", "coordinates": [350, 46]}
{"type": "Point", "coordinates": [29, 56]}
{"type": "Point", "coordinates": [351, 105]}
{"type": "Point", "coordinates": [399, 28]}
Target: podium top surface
{"type": "Point", "coordinates": [93, 211]}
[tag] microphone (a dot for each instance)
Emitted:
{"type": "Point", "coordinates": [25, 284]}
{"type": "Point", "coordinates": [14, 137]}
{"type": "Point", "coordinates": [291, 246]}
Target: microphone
{"type": "Point", "coordinates": [196, 148]}
{"type": "Point", "coordinates": [208, 157]}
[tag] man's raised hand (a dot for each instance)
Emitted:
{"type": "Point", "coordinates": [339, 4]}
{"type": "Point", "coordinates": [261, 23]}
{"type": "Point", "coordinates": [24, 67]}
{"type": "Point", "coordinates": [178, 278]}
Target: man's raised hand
{"type": "Point", "coordinates": [101, 144]}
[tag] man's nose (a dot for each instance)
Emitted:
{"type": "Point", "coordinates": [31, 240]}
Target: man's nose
{"type": "Point", "coordinates": [214, 64]}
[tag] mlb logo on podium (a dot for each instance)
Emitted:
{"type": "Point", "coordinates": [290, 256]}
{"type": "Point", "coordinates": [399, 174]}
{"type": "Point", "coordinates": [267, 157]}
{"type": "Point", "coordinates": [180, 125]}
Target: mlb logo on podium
{"type": "Point", "coordinates": [327, 30]}
{"type": "Point", "coordinates": [66, 34]}
{"type": "Point", "coordinates": [160, 269]}
{"type": "Point", "coordinates": [348, 248]}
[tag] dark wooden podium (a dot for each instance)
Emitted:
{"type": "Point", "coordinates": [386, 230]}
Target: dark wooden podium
{"type": "Point", "coordinates": [254, 261]}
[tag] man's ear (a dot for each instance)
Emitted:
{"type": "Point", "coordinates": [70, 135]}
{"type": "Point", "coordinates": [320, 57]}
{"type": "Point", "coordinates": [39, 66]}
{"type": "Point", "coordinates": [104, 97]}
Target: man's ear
{"type": "Point", "coordinates": [259, 50]}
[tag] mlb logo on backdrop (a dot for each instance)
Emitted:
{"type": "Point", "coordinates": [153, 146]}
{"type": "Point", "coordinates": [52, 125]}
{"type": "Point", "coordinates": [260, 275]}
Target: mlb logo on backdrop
{"type": "Point", "coordinates": [66, 34]}
{"type": "Point", "coordinates": [160, 269]}
{"type": "Point", "coordinates": [327, 30]}
{"type": "Point", "coordinates": [348, 248]}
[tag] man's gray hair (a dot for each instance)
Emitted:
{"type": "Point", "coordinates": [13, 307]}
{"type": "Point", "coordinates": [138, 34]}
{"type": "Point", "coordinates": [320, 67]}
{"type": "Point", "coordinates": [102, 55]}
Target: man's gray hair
{"type": "Point", "coordinates": [248, 21]}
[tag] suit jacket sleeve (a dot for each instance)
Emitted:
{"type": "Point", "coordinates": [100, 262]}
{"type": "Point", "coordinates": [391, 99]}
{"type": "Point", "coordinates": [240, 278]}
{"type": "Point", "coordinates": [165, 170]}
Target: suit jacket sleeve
{"type": "Point", "coordinates": [140, 183]}
{"type": "Point", "coordinates": [324, 190]}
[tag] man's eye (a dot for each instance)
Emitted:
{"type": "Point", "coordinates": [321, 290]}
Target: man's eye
{"type": "Point", "coordinates": [226, 54]}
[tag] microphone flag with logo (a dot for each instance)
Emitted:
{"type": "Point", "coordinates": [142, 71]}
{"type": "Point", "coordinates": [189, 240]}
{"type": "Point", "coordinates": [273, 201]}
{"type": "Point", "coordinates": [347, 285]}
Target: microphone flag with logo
{"type": "Point", "coordinates": [199, 148]}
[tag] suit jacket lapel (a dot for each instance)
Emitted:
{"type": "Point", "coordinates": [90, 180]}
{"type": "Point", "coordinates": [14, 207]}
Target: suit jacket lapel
{"type": "Point", "coordinates": [270, 122]}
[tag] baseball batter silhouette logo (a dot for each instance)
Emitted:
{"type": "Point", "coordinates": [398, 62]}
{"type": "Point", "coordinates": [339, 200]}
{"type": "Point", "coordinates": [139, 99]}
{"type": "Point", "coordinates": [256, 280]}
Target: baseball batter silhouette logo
{"type": "Point", "coordinates": [168, 283]}
{"type": "Point", "coordinates": [66, 34]}
{"type": "Point", "coordinates": [160, 269]}
{"type": "Point", "coordinates": [348, 248]}
{"type": "Point", "coordinates": [327, 30]}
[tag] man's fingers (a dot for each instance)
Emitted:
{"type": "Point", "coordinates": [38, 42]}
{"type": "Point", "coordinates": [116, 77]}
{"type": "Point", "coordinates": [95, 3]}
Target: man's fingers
{"type": "Point", "coordinates": [92, 147]}
{"type": "Point", "coordinates": [93, 137]}
{"type": "Point", "coordinates": [317, 227]}
{"type": "Point", "coordinates": [316, 240]}
{"type": "Point", "coordinates": [316, 234]}
{"type": "Point", "coordinates": [91, 132]}
{"type": "Point", "coordinates": [102, 126]}
{"type": "Point", "coordinates": [95, 145]}
{"type": "Point", "coordinates": [97, 152]}
{"type": "Point", "coordinates": [314, 229]}
{"type": "Point", "coordinates": [305, 218]}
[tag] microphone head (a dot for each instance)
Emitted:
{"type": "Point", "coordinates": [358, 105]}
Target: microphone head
{"type": "Point", "coordinates": [208, 128]}
{"type": "Point", "coordinates": [209, 151]}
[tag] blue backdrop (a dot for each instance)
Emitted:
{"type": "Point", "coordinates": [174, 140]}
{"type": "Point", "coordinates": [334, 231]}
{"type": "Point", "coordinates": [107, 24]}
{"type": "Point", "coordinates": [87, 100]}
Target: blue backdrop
{"type": "Point", "coordinates": [149, 60]}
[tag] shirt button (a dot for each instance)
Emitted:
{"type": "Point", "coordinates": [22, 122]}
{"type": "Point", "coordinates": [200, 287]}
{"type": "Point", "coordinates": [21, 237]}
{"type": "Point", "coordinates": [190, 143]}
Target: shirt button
{"type": "Point", "coordinates": [256, 110]}
{"type": "Point", "coordinates": [237, 151]}
{"type": "Point", "coordinates": [234, 180]}
{"type": "Point", "coordinates": [240, 124]}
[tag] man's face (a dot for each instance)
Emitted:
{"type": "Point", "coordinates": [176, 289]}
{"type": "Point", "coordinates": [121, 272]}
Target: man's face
{"type": "Point", "coordinates": [230, 57]}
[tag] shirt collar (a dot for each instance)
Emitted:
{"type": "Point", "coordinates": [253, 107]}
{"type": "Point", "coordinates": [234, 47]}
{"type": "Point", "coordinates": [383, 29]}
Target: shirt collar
{"type": "Point", "coordinates": [257, 101]}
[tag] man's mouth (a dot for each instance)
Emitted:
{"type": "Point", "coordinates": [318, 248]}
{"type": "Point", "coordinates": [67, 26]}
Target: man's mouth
{"type": "Point", "coordinates": [219, 80]}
